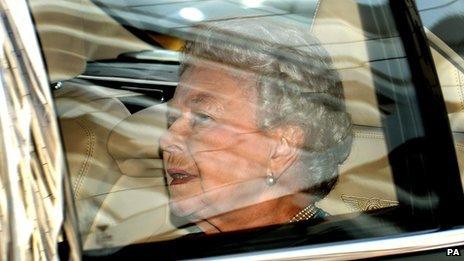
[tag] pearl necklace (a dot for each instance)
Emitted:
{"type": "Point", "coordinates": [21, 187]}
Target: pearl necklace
{"type": "Point", "coordinates": [305, 214]}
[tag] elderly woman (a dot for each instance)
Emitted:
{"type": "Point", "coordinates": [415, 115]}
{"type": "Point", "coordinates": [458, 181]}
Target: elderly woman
{"type": "Point", "coordinates": [257, 127]}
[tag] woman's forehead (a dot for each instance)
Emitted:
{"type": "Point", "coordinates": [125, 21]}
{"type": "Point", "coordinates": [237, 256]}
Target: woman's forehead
{"type": "Point", "coordinates": [200, 84]}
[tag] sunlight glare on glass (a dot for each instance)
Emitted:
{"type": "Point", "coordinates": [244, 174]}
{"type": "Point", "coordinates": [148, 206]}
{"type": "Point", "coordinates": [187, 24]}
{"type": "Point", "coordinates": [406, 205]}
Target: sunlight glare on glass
{"type": "Point", "coordinates": [252, 3]}
{"type": "Point", "coordinates": [192, 14]}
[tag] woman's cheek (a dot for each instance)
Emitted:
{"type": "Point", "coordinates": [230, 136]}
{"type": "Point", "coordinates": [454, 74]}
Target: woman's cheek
{"type": "Point", "coordinates": [215, 137]}
{"type": "Point", "coordinates": [228, 184]}
{"type": "Point", "coordinates": [216, 166]}
{"type": "Point", "coordinates": [220, 183]}
{"type": "Point", "coordinates": [232, 155]}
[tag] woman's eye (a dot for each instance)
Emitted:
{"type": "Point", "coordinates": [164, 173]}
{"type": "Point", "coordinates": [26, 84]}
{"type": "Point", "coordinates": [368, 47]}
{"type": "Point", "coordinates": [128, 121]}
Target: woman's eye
{"type": "Point", "coordinates": [171, 120]}
{"type": "Point", "coordinates": [201, 119]}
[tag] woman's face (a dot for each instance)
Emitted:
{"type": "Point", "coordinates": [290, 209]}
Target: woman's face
{"type": "Point", "coordinates": [215, 156]}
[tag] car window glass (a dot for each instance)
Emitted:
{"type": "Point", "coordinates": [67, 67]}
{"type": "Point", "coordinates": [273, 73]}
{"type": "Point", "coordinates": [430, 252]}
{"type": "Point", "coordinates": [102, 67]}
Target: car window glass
{"type": "Point", "coordinates": [186, 121]}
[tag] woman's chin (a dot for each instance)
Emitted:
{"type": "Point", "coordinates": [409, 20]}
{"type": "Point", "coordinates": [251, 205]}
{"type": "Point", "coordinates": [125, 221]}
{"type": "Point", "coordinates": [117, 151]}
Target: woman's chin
{"type": "Point", "coordinates": [184, 210]}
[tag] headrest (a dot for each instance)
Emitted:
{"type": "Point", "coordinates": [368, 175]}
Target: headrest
{"type": "Point", "coordinates": [134, 142]}
{"type": "Point", "coordinates": [361, 51]}
{"type": "Point", "coordinates": [338, 26]}
{"type": "Point", "coordinates": [75, 98]}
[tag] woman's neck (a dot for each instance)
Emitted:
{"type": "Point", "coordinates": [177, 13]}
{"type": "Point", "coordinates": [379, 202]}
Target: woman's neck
{"type": "Point", "coordinates": [277, 211]}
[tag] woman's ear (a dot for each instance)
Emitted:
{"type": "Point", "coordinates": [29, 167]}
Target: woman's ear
{"type": "Point", "coordinates": [286, 150]}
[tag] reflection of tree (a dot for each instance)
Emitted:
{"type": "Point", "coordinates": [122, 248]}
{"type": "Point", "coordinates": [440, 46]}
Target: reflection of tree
{"type": "Point", "coordinates": [448, 29]}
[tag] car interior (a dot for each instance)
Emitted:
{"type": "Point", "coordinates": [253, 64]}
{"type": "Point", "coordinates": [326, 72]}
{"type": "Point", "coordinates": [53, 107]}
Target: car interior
{"type": "Point", "coordinates": [110, 86]}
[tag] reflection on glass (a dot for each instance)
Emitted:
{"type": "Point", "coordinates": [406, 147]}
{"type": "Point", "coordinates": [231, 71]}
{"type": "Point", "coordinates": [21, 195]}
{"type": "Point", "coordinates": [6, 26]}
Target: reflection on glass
{"type": "Point", "coordinates": [256, 131]}
{"type": "Point", "coordinates": [191, 14]}
{"type": "Point", "coordinates": [252, 3]}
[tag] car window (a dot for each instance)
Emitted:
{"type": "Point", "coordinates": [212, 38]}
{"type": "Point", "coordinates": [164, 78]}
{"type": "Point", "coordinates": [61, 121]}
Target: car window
{"type": "Point", "coordinates": [442, 20]}
{"type": "Point", "coordinates": [234, 126]}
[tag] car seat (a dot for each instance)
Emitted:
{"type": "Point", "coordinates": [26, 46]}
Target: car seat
{"type": "Point", "coordinates": [358, 50]}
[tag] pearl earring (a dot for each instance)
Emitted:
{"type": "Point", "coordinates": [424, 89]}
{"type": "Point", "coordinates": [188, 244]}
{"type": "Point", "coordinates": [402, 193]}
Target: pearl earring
{"type": "Point", "coordinates": [270, 179]}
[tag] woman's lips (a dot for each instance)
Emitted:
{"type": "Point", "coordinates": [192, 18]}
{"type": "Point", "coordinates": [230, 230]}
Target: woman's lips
{"type": "Point", "coordinates": [180, 176]}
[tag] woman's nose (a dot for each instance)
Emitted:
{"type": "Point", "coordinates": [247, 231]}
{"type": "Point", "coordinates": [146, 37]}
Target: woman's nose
{"type": "Point", "coordinates": [176, 136]}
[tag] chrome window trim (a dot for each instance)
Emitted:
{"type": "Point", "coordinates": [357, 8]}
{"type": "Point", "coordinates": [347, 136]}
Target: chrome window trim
{"type": "Point", "coordinates": [367, 248]}
{"type": "Point", "coordinates": [439, 45]}
{"type": "Point", "coordinates": [122, 79]}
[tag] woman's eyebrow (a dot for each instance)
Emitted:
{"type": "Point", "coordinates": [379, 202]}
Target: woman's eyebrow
{"type": "Point", "coordinates": [205, 99]}
{"type": "Point", "coordinates": [202, 98]}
